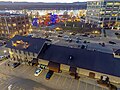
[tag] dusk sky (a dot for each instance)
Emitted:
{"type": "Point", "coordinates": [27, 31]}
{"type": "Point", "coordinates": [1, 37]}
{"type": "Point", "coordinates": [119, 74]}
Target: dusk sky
{"type": "Point", "coordinates": [67, 1]}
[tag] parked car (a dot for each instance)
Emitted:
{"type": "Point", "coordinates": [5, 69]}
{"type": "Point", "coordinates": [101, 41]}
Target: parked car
{"type": "Point", "coordinates": [38, 71]}
{"type": "Point", "coordinates": [72, 33]}
{"type": "Point", "coordinates": [117, 33]}
{"type": "Point", "coordinates": [60, 32]}
{"type": "Point", "coordinates": [102, 44]}
{"type": "Point", "coordinates": [49, 74]}
{"type": "Point", "coordinates": [59, 36]}
{"type": "Point", "coordinates": [42, 66]}
{"type": "Point", "coordinates": [66, 37]}
{"type": "Point", "coordinates": [77, 38]}
{"type": "Point", "coordinates": [111, 42]}
{"type": "Point", "coordinates": [14, 65]}
{"type": "Point", "coordinates": [104, 80]}
{"type": "Point", "coordinates": [70, 40]}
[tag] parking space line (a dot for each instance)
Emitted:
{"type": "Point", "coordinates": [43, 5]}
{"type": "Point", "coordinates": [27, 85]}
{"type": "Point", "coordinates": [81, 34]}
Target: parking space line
{"type": "Point", "coordinates": [25, 69]}
{"type": "Point", "coordinates": [85, 86]}
{"type": "Point", "coordinates": [64, 81]}
{"type": "Point", "coordinates": [94, 87]}
{"type": "Point", "coordinates": [78, 86]}
{"type": "Point", "coordinates": [71, 83]}
{"type": "Point", "coordinates": [101, 88]}
{"type": "Point", "coordinates": [58, 79]}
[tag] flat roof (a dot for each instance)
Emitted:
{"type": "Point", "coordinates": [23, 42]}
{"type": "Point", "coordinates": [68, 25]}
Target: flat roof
{"type": "Point", "coordinates": [35, 44]}
{"type": "Point", "coordinates": [82, 58]}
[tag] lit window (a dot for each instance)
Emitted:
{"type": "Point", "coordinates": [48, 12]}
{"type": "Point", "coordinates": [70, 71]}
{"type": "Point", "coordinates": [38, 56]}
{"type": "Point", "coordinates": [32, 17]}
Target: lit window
{"type": "Point", "coordinates": [27, 25]}
{"type": "Point", "coordinates": [9, 25]}
{"type": "Point", "coordinates": [110, 3]}
{"type": "Point", "coordinates": [14, 24]}
{"type": "Point", "coordinates": [20, 31]}
{"type": "Point", "coordinates": [117, 3]}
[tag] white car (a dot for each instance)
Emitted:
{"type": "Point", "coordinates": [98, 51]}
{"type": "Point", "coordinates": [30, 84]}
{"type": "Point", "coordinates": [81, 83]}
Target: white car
{"type": "Point", "coordinates": [38, 71]}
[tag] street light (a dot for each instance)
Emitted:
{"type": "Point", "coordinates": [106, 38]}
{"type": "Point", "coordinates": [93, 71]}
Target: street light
{"type": "Point", "coordinates": [5, 51]}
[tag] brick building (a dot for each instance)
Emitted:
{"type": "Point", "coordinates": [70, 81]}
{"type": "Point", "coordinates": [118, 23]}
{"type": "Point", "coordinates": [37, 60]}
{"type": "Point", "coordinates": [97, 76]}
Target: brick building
{"type": "Point", "coordinates": [12, 24]}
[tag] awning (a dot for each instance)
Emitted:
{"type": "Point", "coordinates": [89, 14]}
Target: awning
{"type": "Point", "coordinates": [54, 66]}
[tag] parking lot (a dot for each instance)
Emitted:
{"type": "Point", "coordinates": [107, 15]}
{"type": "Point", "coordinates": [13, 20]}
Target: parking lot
{"type": "Point", "coordinates": [92, 45]}
{"type": "Point", "coordinates": [59, 81]}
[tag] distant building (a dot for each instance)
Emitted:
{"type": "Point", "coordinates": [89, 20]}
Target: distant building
{"type": "Point", "coordinates": [13, 24]}
{"type": "Point", "coordinates": [104, 13]}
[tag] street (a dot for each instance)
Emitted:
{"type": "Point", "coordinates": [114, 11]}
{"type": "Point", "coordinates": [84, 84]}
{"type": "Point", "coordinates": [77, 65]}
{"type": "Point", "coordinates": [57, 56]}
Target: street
{"type": "Point", "coordinates": [92, 45]}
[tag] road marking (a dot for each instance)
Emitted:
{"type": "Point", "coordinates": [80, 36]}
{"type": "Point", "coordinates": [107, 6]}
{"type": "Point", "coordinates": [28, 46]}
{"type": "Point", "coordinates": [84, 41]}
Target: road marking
{"type": "Point", "coordinates": [7, 83]}
{"type": "Point", "coordinates": [94, 87]}
{"type": "Point", "coordinates": [25, 69]}
{"type": "Point", "coordinates": [78, 85]}
{"type": "Point", "coordinates": [71, 83]}
{"type": "Point", "coordinates": [86, 86]}
{"type": "Point", "coordinates": [64, 81]}
{"type": "Point", "coordinates": [58, 79]}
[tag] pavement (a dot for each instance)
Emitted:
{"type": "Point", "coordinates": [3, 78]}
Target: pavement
{"type": "Point", "coordinates": [94, 42]}
{"type": "Point", "coordinates": [22, 78]}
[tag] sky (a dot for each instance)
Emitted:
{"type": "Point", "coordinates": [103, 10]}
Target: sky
{"type": "Point", "coordinates": [67, 1]}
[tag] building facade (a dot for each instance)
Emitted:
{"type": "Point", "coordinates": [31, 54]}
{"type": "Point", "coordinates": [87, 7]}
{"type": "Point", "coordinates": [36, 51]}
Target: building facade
{"type": "Point", "coordinates": [104, 13]}
{"type": "Point", "coordinates": [13, 24]}
{"type": "Point", "coordinates": [25, 49]}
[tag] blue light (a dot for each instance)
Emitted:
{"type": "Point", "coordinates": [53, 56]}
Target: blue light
{"type": "Point", "coordinates": [35, 22]}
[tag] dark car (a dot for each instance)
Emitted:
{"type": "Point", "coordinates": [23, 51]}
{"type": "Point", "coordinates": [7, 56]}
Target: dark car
{"type": "Point", "coordinates": [117, 33]}
{"type": "Point", "coordinates": [49, 74]}
{"type": "Point", "coordinates": [14, 65]}
{"type": "Point", "coordinates": [59, 35]}
{"type": "Point", "coordinates": [70, 40]}
{"type": "Point", "coordinates": [111, 42]}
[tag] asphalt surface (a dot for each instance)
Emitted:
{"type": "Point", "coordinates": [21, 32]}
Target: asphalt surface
{"type": "Point", "coordinates": [22, 78]}
{"type": "Point", "coordinates": [93, 42]}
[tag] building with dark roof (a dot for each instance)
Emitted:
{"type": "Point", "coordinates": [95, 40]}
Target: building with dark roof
{"type": "Point", "coordinates": [82, 58]}
{"type": "Point", "coordinates": [61, 58]}
{"type": "Point", "coordinates": [23, 48]}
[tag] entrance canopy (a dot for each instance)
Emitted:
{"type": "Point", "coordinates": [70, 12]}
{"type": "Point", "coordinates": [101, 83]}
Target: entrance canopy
{"type": "Point", "coordinates": [54, 66]}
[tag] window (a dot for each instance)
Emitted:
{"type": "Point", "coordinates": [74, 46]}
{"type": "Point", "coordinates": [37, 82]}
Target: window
{"type": "Point", "coordinates": [117, 3]}
{"type": "Point", "coordinates": [19, 51]}
{"type": "Point", "coordinates": [109, 3]}
{"type": "Point", "coordinates": [14, 24]}
{"type": "Point", "coordinates": [15, 51]}
{"type": "Point", "coordinates": [24, 52]}
{"type": "Point", "coordinates": [29, 53]}
{"type": "Point", "coordinates": [33, 54]}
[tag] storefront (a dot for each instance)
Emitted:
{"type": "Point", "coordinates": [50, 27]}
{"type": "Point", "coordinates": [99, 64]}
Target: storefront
{"type": "Point", "coordinates": [54, 66]}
